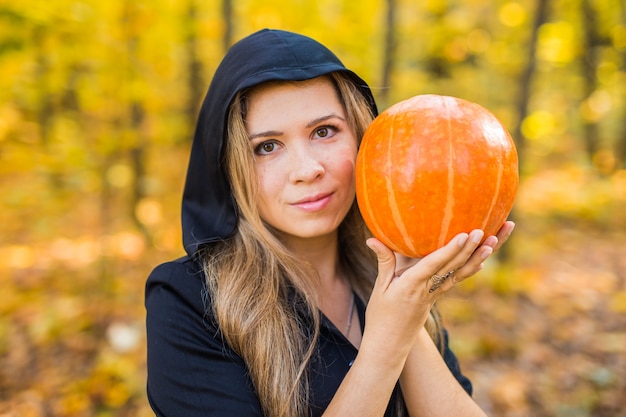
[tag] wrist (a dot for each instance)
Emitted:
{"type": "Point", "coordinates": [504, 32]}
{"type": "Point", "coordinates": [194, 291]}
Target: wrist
{"type": "Point", "coordinates": [385, 353]}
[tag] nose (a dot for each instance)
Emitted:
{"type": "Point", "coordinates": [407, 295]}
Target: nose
{"type": "Point", "coordinates": [306, 166]}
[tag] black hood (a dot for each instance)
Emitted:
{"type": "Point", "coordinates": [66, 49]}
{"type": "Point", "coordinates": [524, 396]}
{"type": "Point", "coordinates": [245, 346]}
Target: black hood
{"type": "Point", "coordinates": [208, 210]}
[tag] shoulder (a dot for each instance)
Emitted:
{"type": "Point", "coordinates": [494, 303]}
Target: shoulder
{"type": "Point", "coordinates": [178, 281]}
{"type": "Point", "coordinates": [171, 273]}
{"type": "Point", "coordinates": [177, 306]}
{"type": "Point", "coordinates": [191, 371]}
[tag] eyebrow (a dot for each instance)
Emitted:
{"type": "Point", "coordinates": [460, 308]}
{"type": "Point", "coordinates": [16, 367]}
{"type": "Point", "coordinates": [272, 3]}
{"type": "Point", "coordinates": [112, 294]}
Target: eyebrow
{"type": "Point", "coordinates": [310, 124]}
{"type": "Point", "coordinates": [265, 134]}
{"type": "Point", "coordinates": [324, 118]}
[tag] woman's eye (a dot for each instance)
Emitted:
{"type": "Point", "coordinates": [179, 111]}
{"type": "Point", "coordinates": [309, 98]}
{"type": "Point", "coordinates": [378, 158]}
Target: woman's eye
{"type": "Point", "coordinates": [265, 148]}
{"type": "Point", "coordinates": [324, 132]}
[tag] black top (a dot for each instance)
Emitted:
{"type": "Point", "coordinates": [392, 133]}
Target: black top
{"type": "Point", "coordinates": [193, 373]}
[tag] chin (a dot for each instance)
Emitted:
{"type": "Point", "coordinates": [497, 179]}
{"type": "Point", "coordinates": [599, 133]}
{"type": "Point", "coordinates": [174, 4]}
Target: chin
{"type": "Point", "coordinates": [311, 231]}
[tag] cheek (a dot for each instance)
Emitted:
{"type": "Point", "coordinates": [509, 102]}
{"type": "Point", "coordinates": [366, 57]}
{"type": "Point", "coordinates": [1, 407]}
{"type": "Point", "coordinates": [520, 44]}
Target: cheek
{"type": "Point", "coordinates": [346, 163]}
{"type": "Point", "coordinates": [346, 168]}
{"type": "Point", "coordinates": [268, 188]}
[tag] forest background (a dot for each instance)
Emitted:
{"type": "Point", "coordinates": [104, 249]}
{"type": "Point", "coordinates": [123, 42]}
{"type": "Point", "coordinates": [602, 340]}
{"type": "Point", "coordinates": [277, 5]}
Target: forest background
{"type": "Point", "coordinates": [98, 101]}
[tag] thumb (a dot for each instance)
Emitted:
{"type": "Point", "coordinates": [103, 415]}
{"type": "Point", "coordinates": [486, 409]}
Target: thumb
{"type": "Point", "coordinates": [386, 261]}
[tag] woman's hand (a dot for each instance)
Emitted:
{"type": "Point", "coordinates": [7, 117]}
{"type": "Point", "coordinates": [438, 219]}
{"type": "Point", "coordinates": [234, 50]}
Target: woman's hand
{"type": "Point", "coordinates": [400, 303]}
{"type": "Point", "coordinates": [406, 289]}
{"type": "Point", "coordinates": [476, 262]}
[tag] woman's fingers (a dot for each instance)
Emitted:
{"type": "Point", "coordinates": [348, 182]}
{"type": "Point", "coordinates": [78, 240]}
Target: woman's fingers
{"type": "Point", "coordinates": [461, 258]}
{"type": "Point", "coordinates": [464, 263]}
{"type": "Point", "coordinates": [503, 234]}
{"type": "Point", "coordinates": [474, 264]}
{"type": "Point", "coordinates": [456, 253]}
{"type": "Point", "coordinates": [430, 272]}
{"type": "Point", "coordinates": [489, 246]}
{"type": "Point", "coordinates": [476, 260]}
{"type": "Point", "coordinates": [404, 262]}
{"type": "Point", "coordinates": [386, 261]}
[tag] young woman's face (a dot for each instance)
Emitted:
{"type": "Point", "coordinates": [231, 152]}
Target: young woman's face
{"type": "Point", "coordinates": [305, 155]}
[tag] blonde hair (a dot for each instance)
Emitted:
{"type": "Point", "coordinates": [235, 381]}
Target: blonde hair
{"type": "Point", "coordinates": [262, 295]}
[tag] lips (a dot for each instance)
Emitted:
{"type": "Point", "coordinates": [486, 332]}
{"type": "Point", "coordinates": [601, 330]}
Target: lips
{"type": "Point", "coordinates": [313, 203]}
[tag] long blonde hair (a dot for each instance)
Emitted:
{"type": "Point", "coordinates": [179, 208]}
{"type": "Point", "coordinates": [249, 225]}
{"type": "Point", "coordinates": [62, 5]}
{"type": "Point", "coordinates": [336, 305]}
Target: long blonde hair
{"type": "Point", "coordinates": [262, 295]}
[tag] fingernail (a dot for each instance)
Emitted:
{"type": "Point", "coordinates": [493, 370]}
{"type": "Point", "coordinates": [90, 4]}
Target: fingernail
{"type": "Point", "coordinates": [462, 239]}
{"type": "Point", "coordinates": [512, 228]}
{"type": "Point", "coordinates": [477, 235]}
{"type": "Point", "coordinates": [486, 252]}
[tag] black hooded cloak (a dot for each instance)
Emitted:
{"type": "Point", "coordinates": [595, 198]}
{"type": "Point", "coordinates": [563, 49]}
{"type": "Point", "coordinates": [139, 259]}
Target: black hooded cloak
{"type": "Point", "coordinates": [191, 372]}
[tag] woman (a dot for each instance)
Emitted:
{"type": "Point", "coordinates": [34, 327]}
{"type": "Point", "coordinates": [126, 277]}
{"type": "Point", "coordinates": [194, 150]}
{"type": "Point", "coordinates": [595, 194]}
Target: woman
{"type": "Point", "coordinates": [283, 306]}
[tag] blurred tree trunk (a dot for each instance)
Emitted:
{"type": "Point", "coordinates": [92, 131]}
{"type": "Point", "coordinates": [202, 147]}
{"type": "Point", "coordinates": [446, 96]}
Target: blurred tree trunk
{"type": "Point", "coordinates": [593, 42]}
{"type": "Point", "coordinates": [195, 84]}
{"type": "Point", "coordinates": [138, 165]}
{"type": "Point", "coordinates": [105, 218]}
{"type": "Point", "coordinates": [137, 148]}
{"type": "Point", "coordinates": [436, 64]}
{"type": "Point", "coordinates": [620, 146]}
{"type": "Point", "coordinates": [45, 108]}
{"type": "Point", "coordinates": [389, 54]}
{"type": "Point", "coordinates": [69, 100]}
{"type": "Point", "coordinates": [525, 83]}
{"type": "Point", "coordinates": [227, 18]}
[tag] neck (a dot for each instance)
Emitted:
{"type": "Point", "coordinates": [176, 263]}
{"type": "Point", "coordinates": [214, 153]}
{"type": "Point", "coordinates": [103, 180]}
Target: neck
{"type": "Point", "coordinates": [322, 253]}
{"type": "Point", "coordinates": [334, 294]}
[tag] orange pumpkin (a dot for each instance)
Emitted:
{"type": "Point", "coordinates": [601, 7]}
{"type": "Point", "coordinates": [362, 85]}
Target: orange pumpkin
{"type": "Point", "coordinates": [431, 167]}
